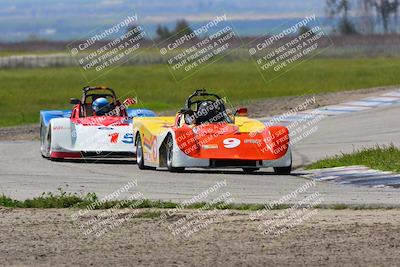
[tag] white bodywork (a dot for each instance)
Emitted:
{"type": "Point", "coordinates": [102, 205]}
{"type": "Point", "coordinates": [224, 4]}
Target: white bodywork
{"type": "Point", "coordinates": [64, 136]}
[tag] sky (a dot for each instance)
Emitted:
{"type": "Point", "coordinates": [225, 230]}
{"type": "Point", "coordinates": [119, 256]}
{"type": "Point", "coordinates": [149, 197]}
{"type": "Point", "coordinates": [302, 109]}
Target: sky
{"type": "Point", "coordinates": [65, 19]}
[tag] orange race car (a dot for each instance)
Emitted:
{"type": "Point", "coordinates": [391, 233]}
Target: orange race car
{"type": "Point", "coordinates": [205, 134]}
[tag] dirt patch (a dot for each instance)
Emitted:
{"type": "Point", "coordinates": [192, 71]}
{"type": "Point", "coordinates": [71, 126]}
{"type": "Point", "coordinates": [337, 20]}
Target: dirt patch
{"type": "Point", "coordinates": [23, 132]}
{"type": "Point", "coordinates": [347, 237]}
{"type": "Point", "coordinates": [257, 109]}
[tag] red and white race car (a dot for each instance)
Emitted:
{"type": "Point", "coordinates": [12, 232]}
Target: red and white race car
{"type": "Point", "coordinates": [205, 134]}
{"type": "Point", "coordinates": [81, 132]}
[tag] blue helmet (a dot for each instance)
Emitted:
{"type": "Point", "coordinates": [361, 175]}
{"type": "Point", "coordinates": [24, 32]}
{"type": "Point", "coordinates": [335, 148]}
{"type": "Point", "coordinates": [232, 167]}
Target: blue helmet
{"type": "Point", "coordinates": [101, 106]}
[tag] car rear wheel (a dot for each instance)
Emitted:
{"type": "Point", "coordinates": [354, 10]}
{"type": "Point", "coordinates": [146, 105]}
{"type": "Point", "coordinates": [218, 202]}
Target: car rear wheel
{"type": "Point", "coordinates": [139, 153]}
{"type": "Point", "coordinates": [169, 156]}
{"type": "Point", "coordinates": [43, 140]}
{"type": "Point", "coordinates": [283, 170]}
{"type": "Point", "coordinates": [46, 143]}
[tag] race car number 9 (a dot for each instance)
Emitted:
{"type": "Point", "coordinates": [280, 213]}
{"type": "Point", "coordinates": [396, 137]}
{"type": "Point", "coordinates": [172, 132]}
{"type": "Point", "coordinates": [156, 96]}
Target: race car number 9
{"type": "Point", "coordinates": [231, 142]}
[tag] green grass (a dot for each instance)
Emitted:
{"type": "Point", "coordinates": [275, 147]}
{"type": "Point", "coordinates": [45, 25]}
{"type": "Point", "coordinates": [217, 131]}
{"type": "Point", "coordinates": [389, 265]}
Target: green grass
{"type": "Point", "coordinates": [26, 91]}
{"type": "Point", "coordinates": [385, 158]}
{"type": "Point", "coordinates": [6, 53]}
{"type": "Point", "coordinates": [62, 199]}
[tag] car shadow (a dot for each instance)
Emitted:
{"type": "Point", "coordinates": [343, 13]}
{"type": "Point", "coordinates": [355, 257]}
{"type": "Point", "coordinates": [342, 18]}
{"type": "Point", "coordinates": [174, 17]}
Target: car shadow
{"type": "Point", "coordinates": [117, 161]}
{"type": "Point", "coordinates": [230, 172]}
{"type": "Point", "coordinates": [98, 161]}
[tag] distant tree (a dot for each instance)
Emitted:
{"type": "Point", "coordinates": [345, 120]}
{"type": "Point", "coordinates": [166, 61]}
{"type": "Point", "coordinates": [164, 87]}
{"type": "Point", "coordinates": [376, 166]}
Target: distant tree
{"type": "Point", "coordinates": [182, 28]}
{"type": "Point", "coordinates": [365, 13]}
{"type": "Point", "coordinates": [387, 12]}
{"type": "Point", "coordinates": [163, 33]}
{"type": "Point", "coordinates": [346, 27]}
{"type": "Point", "coordinates": [341, 8]}
{"type": "Point", "coordinates": [303, 30]}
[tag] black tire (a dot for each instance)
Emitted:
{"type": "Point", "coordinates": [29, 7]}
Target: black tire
{"type": "Point", "coordinates": [42, 140]}
{"type": "Point", "coordinates": [47, 144]}
{"type": "Point", "coordinates": [139, 153]}
{"type": "Point", "coordinates": [250, 170]}
{"type": "Point", "coordinates": [169, 155]}
{"type": "Point", "coordinates": [283, 170]}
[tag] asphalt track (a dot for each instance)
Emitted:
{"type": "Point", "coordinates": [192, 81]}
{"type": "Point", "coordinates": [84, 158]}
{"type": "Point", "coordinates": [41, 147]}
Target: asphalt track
{"type": "Point", "coordinates": [24, 173]}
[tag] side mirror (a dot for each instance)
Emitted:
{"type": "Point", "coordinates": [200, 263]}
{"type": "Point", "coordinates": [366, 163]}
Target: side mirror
{"type": "Point", "coordinates": [242, 112]}
{"type": "Point", "coordinates": [74, 101]}
{"type": "Point", "coordinates": [184, 111]}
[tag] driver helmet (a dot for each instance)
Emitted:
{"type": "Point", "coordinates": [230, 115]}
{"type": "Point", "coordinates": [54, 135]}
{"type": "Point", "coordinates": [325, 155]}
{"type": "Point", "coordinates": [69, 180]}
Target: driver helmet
{"type": "Point", "coordinates": [207, 111]}
{"type": "Point", "coordinates": [101, 106]}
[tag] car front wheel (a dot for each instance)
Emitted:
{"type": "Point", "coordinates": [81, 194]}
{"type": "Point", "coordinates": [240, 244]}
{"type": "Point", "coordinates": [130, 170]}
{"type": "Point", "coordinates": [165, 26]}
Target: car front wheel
{"type": "Point", "coordinates": [139, 153]}
{"type": "Point", "coordinates": [169, 156]}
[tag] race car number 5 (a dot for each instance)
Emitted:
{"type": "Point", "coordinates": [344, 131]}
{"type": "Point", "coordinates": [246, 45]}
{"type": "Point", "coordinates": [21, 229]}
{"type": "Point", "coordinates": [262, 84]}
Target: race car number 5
{"type": "Point", "coordinates": [231, 142]}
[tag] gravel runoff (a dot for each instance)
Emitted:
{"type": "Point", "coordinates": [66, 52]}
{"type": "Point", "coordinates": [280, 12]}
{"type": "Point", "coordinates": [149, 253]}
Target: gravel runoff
{"type": "Point", "coordinates": [257, 109]}
{"type": "Point", "coordinates": [37, 237]}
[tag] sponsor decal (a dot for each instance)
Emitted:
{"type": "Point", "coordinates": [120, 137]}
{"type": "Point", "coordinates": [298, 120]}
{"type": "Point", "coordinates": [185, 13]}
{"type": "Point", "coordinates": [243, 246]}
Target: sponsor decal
{"type": "Point", "coordinates": [128, 138]}
{"type": "Point", "coordinates": [105, 128]}
{"type": "Point", "coordinates": [60, 128]}
{"type": "Point", "coordinates": [114, 137]}
{"type": "Point", "coordinates": [154, 150]}
{"type": "Point", "coordinates": [252, 141]}
{"type": "Point", "coordinates": [210, 146]}
{"type": "Point", "coordinates": [151, 145]}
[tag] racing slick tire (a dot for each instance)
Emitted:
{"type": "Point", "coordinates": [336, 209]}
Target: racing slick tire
{"type": "Point", "coordinates": [139, 153]}
{"type": "Point", "coordinates": [283, 170]}
{"type": "Point", "coordinates": [169, 156]}
{"type": "Point", "coordinates": [43, 141]}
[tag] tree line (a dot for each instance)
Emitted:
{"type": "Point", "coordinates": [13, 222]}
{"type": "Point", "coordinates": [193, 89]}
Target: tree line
{"type": "Point", "coordinates": [181, 28]}
{"type": "Point", "coordinates": [369, 16]}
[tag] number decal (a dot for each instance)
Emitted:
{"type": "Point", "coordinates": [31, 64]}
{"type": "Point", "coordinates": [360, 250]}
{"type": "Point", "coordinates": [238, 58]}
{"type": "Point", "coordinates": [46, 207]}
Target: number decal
{"type": "Point", "coordinates": [128, 138]}
{"type": "Point", "coordinates": [231, 142]}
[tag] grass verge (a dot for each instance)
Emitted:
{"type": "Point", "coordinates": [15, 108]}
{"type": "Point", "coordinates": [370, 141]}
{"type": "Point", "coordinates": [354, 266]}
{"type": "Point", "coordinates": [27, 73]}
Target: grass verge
{"type": "Point", "coordinates": [384, 158]}
{"type": "Point", "coordinates": [27, 91]}
{"type": "Point", "coordinates": [69, 200]}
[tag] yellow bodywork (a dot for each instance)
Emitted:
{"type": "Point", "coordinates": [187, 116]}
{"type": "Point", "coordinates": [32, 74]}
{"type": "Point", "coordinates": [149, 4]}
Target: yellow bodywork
{"type": "Point", "coordinates": [154, 126]}
{"type": "Point", "coordinates": [153, 129]}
